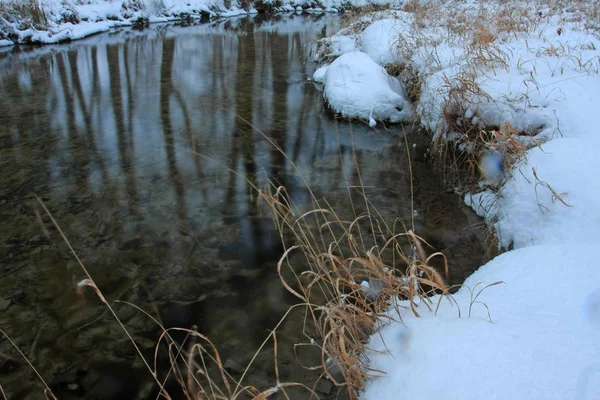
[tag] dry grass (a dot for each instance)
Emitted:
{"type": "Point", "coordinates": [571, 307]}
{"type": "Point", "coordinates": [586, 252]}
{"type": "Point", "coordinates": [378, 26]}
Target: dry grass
{"type": "Point", "coordinates": [27, 12]}
{"type": "Point", "coordinates": [357, 269]}
{"type": "Point", "coordinates": [352, 280]}
{"type": "Point", "coordinates": [555, 196]}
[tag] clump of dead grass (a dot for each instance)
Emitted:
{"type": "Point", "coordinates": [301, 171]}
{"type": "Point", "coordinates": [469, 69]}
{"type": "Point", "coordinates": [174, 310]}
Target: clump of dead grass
{"type": "Point", "coordinates": [28, 13]}
{"type": "Point", "coordinates": [347, 273]}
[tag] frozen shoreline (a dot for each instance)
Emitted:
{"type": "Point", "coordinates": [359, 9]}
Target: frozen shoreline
{"type": "Point", "coordinates": [76, 19]}
{"type": "Point", "coordinates": [531, 86]}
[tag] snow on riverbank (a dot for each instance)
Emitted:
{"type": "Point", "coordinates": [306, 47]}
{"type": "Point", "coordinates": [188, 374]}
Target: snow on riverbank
{"type": "Point", "coordinates": [528, 76]}
{"type": "Point", "coordinates": [76, 19]}
{"type": "Point", "coordinates": [543, 341]}
{"type": "Point", "coordinates": [64, 20]}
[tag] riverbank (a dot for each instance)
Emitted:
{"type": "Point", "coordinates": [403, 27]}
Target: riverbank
{"type": "Point", "coordinates": [515, 88]}
{"type": "Point", "coordinates": [56, 21]}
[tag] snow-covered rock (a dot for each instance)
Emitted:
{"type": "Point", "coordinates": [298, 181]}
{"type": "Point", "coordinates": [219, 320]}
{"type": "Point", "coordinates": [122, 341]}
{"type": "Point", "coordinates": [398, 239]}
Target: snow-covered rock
{"type": "Point", "coordinates": [319, 75]}
{"type": "Point", "coordinates": [355, 86]}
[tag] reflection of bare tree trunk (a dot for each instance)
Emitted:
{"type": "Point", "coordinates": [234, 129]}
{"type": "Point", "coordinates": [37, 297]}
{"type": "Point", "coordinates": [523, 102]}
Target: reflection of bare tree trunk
{"type": "Point", "coordinates": [219, 85]}
{"type": "Point", "coordinates": [95, 100]}
{"type": "Point", "coordinates": [243, 132]}
{"type": "Point", "coordinates": [264, 63]}
{"type": "Point", "coordinates": [130, 96]}
{"type": "Point", "coordinates": [244, 100]}
{"type": "Point", "coordinates": [191, 139]}
{"type": "Point", "coordinates": [279, 63]}
{"type": "Point", "coordinates": [78, 150]}
{"type": "Point", "coordinates": [87, 118]}
{"type": "Point", "coordinates": [125, 142]}
{"type": "Point", "coordinates": [166, 89]}
{"type": "Point", "coordinates": [23, 119]}
{"type": "Point", "coordinates": [297, 47]}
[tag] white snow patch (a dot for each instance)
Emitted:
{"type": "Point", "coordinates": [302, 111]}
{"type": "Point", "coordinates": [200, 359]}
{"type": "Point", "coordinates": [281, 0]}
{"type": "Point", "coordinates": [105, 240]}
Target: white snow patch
{"type": "Point", "coordinates": [381, 40]}
{"type": "Point", "coordinates": [528, 212]}
{"type": "Point", "coordinates": [355, 86]}
{"type": "Point", "coordinates": [319, 75]}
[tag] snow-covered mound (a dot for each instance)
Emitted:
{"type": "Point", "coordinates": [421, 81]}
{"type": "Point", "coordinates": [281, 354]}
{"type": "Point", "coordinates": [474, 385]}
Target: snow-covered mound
{"type": "Point", "coordinates": [382, 39]}
{"type": "Point", "coordinates": [555, 204]}
{"type": "Point", "coordinates": [543, 342]}
{"type": "Point", "coordinates": [356, 86]}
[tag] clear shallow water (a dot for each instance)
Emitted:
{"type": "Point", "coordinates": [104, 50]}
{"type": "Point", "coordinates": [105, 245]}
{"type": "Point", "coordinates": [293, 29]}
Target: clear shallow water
{"type": "Point", "coordinates": [108, 132]}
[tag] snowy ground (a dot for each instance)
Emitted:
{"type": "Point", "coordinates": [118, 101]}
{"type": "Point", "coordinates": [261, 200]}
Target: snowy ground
{"type": "Point", "coordinates": [530, 73]}
{"type": "Point", "coordinates": [75, 19]}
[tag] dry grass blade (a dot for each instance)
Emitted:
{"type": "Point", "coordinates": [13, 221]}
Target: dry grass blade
{"type": "Point", "coordinates": [269, 392]}
{"type": "Point", "coordinates": [285, 284]}
{"type": "Point", "coordinates": [475, 297]}
{"type": "Point", "coordinates": [236, 390]}
{"type": "Point", "coordinates": [211, 350]}
{"type": "Point", "coordinates": [171, 341]}
{"type": "Point", "coordinates": [555, 196]}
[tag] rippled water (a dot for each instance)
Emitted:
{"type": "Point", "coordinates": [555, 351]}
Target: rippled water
{"type": "Point", "coordinates": [144, 146]}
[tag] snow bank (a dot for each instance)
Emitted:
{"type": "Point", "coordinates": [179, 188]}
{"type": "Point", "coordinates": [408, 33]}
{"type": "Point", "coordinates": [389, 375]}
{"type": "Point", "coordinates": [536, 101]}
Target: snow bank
{"type": "Point", "coordinates": [543, 342]}
{"type": "Point", "coordinates": [319, 75]}
{"type": "Point", "coordinates": [68, 32]}
{"type": "Point", "coordinates": [66, 15]}
{"type": "Point", "coordinates": [529, 211]}
{"type": "Point", "coordinates": [358, 86]}
{"type": "Point", "coordinates": [355, 86]}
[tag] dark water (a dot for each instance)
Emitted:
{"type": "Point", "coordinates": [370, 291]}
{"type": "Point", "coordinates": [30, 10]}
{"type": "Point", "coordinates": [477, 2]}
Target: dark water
{"type": "Point", "coordinates": [140, 146]}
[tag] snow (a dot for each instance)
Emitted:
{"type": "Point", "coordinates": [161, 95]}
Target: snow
{"type": "Point", "coordinates": [355, 86]}
{"type": "Point", "coordinates": [72, 32]}
{"type": "Point", "coordinates": [99, 12]}
{"type": "Point", "coordinates": [527, 212]}
{"type": "Point", "coordinates": [381, 39]}
{"type": "Point", "coordinates": [319, 75]}
{"type": "Point", "coordinates": [541, 338]}
{"type": "Point", "coordinates": [543, 342]}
